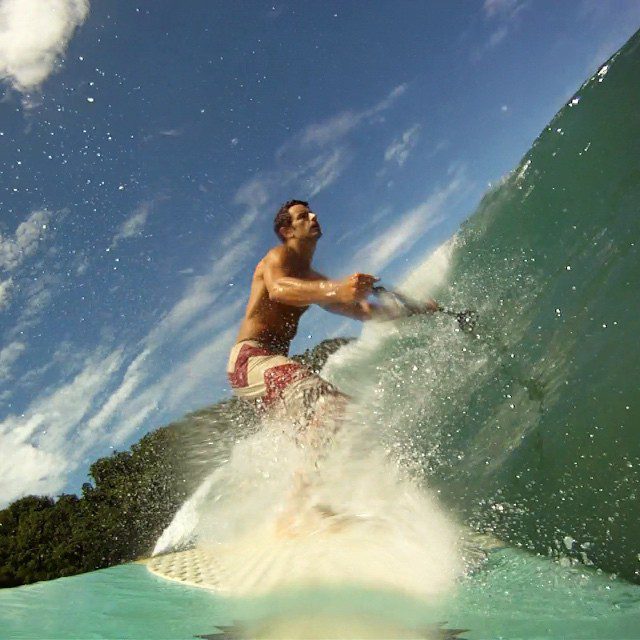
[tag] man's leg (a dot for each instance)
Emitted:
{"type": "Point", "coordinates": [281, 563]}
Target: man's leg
{"type": "Point", "coordinates": [318, 414]}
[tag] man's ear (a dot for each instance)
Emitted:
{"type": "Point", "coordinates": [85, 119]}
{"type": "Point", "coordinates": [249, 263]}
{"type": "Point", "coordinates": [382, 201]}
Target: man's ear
{"type": "Point", "coordinates": [285, 232]}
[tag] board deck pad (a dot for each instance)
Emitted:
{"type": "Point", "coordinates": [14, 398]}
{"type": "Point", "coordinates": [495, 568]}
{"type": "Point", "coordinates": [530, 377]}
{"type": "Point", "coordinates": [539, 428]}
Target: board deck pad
{"type": "Point", "coordinates": [361, 552]}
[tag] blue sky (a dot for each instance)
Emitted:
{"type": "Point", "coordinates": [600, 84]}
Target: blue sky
{"type": "Point", "coordinates": [145, 147]}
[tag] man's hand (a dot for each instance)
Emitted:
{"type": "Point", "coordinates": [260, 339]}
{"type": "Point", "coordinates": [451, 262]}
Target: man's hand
{"type": "Point", "coordinates": [354, 288]}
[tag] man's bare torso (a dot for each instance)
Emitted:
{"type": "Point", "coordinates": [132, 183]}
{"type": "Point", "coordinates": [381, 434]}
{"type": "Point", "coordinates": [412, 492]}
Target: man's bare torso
{"type": "Point", "coordinates": [267, 321]}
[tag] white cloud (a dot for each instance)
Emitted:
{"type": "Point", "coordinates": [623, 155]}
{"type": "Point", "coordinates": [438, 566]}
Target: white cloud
{"type": "Point", "coordinates": [302, 167]}
{"type": "Point", "coordinates": [38, 294]}
{"type": "Point", "coordinates": [506, 15]}
{"type": "Point", "coordinates": [497, 37]}
{"type": "Point", "coordinates": [29, 470]}
{"type": "Point", "coordinates": [5, 293]}
{"type": "Point", "coordinates": [134, 224]}
{"type": "Point", "coordinates": [325, 170]}
{"type": "Point", "coordinates": [254, 195]}
{"type": "Point", "coordinates": [14, 250]}
{"type": "Point", "coordinates": [34, 35]}
{"type": "Point", "coordinates": [402, 234]}
{"type": "Point", "coordinates": [202, 292]}
{"type": "Point", "coordinates": [337, 127]}
{"type": "Point", "coordinates": [46, 440]}
{"type": "Point", "coordinates": [494, 8]}
{"type": "Point", "coordinates": [8, 356]}
{"type": "Point", "coordinates": [107, 395]}
{"type": "Point", "coordinates": [399, 150]}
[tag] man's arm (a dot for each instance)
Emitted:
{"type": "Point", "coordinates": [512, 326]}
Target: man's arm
{"type": "Point", "coordinates": [286, 287]}
{"type": "Point", "coordinates": [361, 310]}
{"type": "Point", "coordinates": [364, 310]}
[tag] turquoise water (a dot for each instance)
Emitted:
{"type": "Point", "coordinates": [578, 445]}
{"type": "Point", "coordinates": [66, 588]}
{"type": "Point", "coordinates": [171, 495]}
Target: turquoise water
{"type": "Point", "coordinates": [514, 595]}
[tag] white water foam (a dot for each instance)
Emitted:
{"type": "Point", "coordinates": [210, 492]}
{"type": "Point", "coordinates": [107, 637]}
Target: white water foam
{"type": "Point", "coordinates": [432, 272]}
{"type": "Point", "coordinates": [278, 516]}
{"type": "Point", "coordinates": [356, 516]}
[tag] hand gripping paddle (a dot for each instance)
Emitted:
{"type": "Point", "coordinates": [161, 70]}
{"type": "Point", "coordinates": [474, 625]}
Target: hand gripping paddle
{"type": "Point", "coordinates": [466, 319]}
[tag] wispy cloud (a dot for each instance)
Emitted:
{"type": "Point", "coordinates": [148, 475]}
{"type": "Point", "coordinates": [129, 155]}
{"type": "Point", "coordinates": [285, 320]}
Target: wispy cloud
{"type": "Point", "coordinates": [16, 248]}
{"type": "Point", "coordinates": [132, 227]}
{"type": "Point", "coordinates": [495, 8]}
{"type": "Point", "coordinates": [108, 394]}
{"type": "Point", "coordinates": [400, 149]}
{"type": "Point", "coordinates": [37, 294]}
{"type": "Point", "coordinates": [33, 36]}
{"type": "Point", "coordinates": [307, 163]}
{"type": "Point", "coordinates": [200, 295]}
{"type": "Point", "coordinates": [333, 129]}
{"type": "Point", "coordinates": [503, 16]}
{"type": "Point", "coordinates": [325, 170]}
{"type": "Point", "coordinates": [8, 357]}
{"type": "Point", "coordinates": [407, 229]}
{"type": "Point", "coordinates": [179, 385]}
{"type": "Point", "coordinates": [5, 293]}
{"type": "Point", "coordinates": [497, 37]}
{"type": "Point", "coordinates": [253, 195]}
{"type": "Point", "coordinates": [171, 133]}
{"type": "Point", "coordinates": [39, 438]}
{"type": "Point", "coordinates": [337, 127]}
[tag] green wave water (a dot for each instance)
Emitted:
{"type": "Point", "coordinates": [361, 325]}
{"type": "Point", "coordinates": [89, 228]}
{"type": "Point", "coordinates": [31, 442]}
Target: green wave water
{"type": "Point", "coordinates": [529, 429]}
{"type": "Point", "coordinates": [542, 443]}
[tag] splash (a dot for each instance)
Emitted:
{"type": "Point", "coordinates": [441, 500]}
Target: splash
{"type": "Point", "coordinates": [279, 515]}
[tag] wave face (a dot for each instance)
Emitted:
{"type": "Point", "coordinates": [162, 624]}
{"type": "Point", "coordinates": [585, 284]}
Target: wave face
{"type": "Point", "coordinates": [531, 429]}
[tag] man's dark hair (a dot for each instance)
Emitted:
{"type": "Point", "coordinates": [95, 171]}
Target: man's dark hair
{"type": "Point", "coordinates": [283, 217]}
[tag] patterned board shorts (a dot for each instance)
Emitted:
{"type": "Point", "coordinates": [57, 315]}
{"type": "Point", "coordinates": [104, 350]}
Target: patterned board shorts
{"type": "Point", "coordinates": [274, 381]}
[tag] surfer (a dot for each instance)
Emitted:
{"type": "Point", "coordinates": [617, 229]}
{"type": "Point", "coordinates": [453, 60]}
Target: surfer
{"type": "Point", "coordinates": [284, 285]}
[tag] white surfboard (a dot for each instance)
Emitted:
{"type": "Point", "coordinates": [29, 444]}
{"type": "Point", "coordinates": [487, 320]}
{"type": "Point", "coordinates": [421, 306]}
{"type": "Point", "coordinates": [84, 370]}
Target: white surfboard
{"type": "Point", "coordinates": [325, 550]}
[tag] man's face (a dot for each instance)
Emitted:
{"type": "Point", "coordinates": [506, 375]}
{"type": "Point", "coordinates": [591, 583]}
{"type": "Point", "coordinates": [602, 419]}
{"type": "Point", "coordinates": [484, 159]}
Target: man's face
{"type": "Point", "coordinates": [304, 223]}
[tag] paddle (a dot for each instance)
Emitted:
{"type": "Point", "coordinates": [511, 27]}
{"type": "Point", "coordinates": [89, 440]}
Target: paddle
{"type": "Point", "coordinates": [466, 319]}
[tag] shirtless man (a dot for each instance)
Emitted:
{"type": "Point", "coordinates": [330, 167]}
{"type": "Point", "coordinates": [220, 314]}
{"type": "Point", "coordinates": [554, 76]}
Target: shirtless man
{"type": "Point", "coordinates": [284, 285]}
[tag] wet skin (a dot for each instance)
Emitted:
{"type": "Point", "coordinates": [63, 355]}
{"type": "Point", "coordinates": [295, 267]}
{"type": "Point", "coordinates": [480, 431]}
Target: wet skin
{"type": "Point", "coordinates": [284, 285]}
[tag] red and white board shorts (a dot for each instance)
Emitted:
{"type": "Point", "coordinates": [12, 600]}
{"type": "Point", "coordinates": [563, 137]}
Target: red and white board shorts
{"type": "Point", "coordinates": [270, 379]}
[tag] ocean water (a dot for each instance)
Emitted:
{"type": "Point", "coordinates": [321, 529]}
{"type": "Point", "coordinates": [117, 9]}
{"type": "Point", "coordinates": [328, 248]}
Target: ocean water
{"type": "Point", "coordinates": [515, 595]}
{"type": "Point", "coordinates": [525, 432]}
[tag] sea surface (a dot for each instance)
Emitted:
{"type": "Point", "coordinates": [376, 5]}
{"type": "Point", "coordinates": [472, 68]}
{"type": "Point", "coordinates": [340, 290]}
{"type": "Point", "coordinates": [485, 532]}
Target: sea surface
{"type": "Point", "coordinates": [525, 432]}
{"type": "Point", "coordinates": [515, 595]}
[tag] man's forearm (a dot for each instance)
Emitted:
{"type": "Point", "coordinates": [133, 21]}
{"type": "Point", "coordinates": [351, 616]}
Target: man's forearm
{"type": "Point", "coordinates": [300, 293]}
{"type": "Point", "coordinates": [356, 310]}
{"type": "Point", "coordinates": [402, 310]}
{"type": "Point", "coordinates": [373, 311]}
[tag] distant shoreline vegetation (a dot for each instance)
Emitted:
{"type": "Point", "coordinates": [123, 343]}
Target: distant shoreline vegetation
{"type": "Point", "coordinates": [133, 495]}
